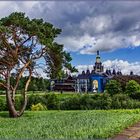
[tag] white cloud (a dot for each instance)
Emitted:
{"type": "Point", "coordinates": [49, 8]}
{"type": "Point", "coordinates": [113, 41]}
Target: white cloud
{"type": "Point", "coordinates": [122, 65]}
{"type": "Point", "coordinates": [75, 43]}
{"type": "Point", "coordinates": [135, 40]}
{"type": "Point", "coordinates": [87, 44]}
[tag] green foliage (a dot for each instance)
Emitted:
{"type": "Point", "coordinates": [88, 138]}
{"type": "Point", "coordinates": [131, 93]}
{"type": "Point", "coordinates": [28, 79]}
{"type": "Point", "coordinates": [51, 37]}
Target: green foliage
{"type": "Point", "coordinates": [52, 102]}
{"type": "Point", "coordinates": [18, 102]}
{"type": "Point", "coordinates": [35, 99]}
{"type": "Point", "coordinates": [3, 105]}
{"type": "Point", "coordinates": [77, 101]}
{"type": "Point", "coordinates": [95, 124]}
{"type": "Point", "coordinates": [113, 87]}
{"type": "Point", "coordinates": [132, 86]}
{"type": "Point", "coordinates": [86, 102]}
{"type": "Point", "coordinates": [38, 107]}
{"type": "Point", "coordinates": [135, 95]}
{"type": "Point", "coordinates": [123, 101]}
{"type": "Point", "coordinates": [71, 104]}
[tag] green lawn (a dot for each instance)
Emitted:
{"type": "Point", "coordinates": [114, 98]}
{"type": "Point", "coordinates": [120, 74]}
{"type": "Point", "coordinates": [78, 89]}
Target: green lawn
{"type": "Point", "coordinates": [67, 124]}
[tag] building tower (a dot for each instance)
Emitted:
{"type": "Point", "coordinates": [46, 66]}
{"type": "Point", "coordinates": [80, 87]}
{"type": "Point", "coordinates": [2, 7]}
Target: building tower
{"type": "Point", "coordinates": [98, 65]}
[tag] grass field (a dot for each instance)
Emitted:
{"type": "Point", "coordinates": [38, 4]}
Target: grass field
{"type": "Point", "coordinates": [67, 124]}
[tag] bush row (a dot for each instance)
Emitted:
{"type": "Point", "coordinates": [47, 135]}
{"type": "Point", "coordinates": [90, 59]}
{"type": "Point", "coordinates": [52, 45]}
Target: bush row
{"type": "Point", "coordinates": [78, 102]}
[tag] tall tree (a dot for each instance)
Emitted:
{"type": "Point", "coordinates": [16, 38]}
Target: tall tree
{"type": "Point", "coordinates": [113, 87]}
{"type": "Point", "coordinates": [22, 42]}
{"type": "Point", "coordinates": [57, 59]}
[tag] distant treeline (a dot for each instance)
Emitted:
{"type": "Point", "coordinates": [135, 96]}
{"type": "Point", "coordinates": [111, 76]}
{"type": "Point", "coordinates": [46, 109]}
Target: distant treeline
{"type": "Point", "coordinates": [123, 79]}
{"type": "Point", "coordinates": [36, 84]}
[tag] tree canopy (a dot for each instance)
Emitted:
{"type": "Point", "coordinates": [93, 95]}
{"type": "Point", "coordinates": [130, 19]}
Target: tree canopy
{"type": "Point", "coordinates": [132, 86]}
{"type": "Point", "coordinates": [113, 87]}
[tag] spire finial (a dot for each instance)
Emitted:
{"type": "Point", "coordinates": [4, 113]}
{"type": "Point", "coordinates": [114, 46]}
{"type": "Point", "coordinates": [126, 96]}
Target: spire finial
{"type": "Point", "coordinates": [97, 52]}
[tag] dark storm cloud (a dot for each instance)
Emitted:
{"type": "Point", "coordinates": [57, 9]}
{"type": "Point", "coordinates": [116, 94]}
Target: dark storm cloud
{"type": "Point", "coordinates": [112, 24]}
{"type": "Point", "coordinates": [68, 15]}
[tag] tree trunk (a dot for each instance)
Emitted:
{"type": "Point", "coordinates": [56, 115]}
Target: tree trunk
{"type": "Point", "coordinates": [25, 94]}
{"type": "Point", "coordinates": [10, 98]}
{"type": "Point", "coordinates": [12, 111]}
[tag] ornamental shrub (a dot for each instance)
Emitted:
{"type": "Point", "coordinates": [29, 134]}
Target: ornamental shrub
{"type": "Point", "coordinates": [35, 99]}
{"type": "Point", "coordinates": [38, 107]}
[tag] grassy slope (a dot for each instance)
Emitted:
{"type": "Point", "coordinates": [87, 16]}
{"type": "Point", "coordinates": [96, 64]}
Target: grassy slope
{"type": "Point", "coordinates": [67, 124]}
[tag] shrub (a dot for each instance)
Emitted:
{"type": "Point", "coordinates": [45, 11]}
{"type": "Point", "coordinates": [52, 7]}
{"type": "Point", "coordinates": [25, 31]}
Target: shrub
{"type": "Point", "coordinates": [132, 86]}
{"type": "Point", "coordinates": [18, 102]}
{"type": "Point", "coordinates": [3, 106]}
{"type": "Point", "coordinates": [38, 107]}
{"type": "Point", "coordinates": [52, 101]}
{"type": "Point", "coordinates": [35, 99]}
{"type": "Point", "coordinates": [96, 101]}
{"type": "Point", "coordinates": [86, 102]}
{"type": "Point", "coordinates": [106, 101]}
{"type": "Point", "coordinates": [122, 101]}
{"type": "Point", "coordinates": [135, 95]}
{"type": "Point", "coordinates": [113, 87]}
{"type": "Point", "coordinates": [71, 104]}
{"type": "Point", "coordinates": [118, 101]}
{"type": "Point", "coordinates": [101, 101]}
{"type": "Point", "coordinates": [136, 104]}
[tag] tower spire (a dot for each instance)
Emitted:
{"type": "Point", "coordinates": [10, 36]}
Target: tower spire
{"type": "Point", "coordinates": [98, 57]}
{"type": "Point", "coordinates": [98, 64]}
{"type": "Point", "coordinates": [97, 52]}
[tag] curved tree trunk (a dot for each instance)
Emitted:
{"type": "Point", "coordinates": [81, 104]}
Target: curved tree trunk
{"type": "Point", "coordinates": [12, 111]}
{"type": "Point", "coordinates": [25, 94]}
{"type": "Point", "coordinates": [11, 105]}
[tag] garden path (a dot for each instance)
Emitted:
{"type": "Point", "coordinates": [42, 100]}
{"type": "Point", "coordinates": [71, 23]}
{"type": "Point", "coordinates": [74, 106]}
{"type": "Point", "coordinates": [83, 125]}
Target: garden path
{"type": "Point", "coordinates": [131, 133]}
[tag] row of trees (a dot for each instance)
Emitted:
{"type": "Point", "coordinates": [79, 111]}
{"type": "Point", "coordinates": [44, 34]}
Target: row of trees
{"type": "Point", "coordinates": [114, 87]}
{"type": "Point", "coordinates": [36, 84]}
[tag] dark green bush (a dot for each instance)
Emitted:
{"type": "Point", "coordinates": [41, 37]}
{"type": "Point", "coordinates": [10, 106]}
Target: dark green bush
{"type": "Point", "coordinates": [122, 101]}
{"type": "Point", "coordinates": [52, 102]}
{"type": "Point", "coordinates": [3, 106]}
{"type": "Point", "coordinates": [86, 102]}
{"type": "Point", "coordinates": [113, 87]}
{"type": "Point", "coordinates": [136, 104]}
{"type": "Point", "coordinates": [35, 99]}
{"type": "Point", "coordinates": [106, 101]}
{"type": "Point", "coordinates": [135, 95]}
{"type": "Point", "coordinates": [71, 104]}
{"type": "Point", "coordinates": [119, 101]}
{"type": "Point", "coordinates": [78, 102]}
{"type": "Point", "coordinates": [101, 101]}
{"type": "Point", "coordinates": [132, 86]}
{"type": "Point", "coordinates": [18, 102]}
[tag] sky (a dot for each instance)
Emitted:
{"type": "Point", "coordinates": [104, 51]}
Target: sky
{"type": "Point", "coordinates": [112, 27]}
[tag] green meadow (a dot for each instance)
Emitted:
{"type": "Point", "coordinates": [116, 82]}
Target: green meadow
{"type": "Point", "coordinates": [86, 124]}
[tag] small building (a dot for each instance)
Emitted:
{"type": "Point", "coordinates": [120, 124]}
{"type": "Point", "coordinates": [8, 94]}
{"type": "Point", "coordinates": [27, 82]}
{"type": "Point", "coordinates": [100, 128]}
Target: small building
{"type": "Point", "coordinates": [66, 84]}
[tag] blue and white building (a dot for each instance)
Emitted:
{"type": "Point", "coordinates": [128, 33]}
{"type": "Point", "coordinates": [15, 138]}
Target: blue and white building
{"type": "Point", "coordinates": [93, 81]}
